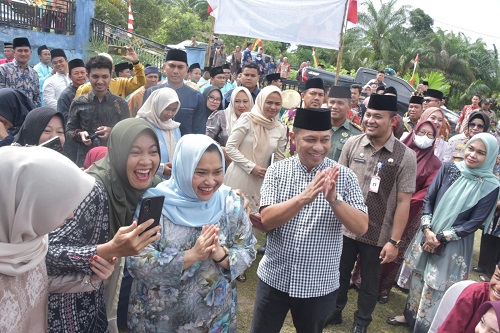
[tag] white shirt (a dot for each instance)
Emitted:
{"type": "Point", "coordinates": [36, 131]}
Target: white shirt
{"type": "Point", "coordinates": [53, 87]}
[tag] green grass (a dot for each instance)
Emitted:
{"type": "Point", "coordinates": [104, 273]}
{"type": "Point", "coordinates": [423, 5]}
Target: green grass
{"type": "Point", "coordinates": [395, 306]}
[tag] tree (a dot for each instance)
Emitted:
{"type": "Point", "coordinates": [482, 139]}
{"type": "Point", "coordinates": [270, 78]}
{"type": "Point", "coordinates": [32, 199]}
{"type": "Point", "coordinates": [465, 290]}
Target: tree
{"type": "Point", "coordinates": [144, 11]}
{"type": "Point", "coordinates": [179, 25]}
{"type": "Point", "coordinates": [381, 28]}
{"type": "Point", "coordinates": [112, 11]}
{"type": "Point", "coordinates": [420, 23]}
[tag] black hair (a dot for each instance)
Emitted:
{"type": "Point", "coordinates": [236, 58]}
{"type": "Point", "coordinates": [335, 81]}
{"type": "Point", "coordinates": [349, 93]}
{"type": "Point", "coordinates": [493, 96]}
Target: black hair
{"type": "Point", "coordinates": [478, 96]}
{"type": "Point", "coordinates": [357, 86]}
{"type": "Point", "coordinates": [99, 62]}
{"type": "Point", "coordinates": [382, 72]}
{"type": "Point", "coordinates": [213, 148]}
{"type": "Point", "coordinates": [248, 44]}
{"type": "Point", "coordinates": [251, 65]}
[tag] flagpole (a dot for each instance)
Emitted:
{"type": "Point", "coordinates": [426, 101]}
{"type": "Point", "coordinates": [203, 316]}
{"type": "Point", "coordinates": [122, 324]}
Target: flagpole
{"type": "Point", "coordinates": [341, 47]}
{"type": "Point", "coordinates": [207, 55]}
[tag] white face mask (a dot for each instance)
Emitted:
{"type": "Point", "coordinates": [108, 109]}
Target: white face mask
{"type": "Point", "coordinates": [422, 142]}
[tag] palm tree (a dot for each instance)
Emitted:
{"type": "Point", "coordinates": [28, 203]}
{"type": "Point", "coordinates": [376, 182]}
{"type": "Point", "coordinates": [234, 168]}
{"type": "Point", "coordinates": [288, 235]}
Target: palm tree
{"type": "Point", "coordinates": [381, 29]}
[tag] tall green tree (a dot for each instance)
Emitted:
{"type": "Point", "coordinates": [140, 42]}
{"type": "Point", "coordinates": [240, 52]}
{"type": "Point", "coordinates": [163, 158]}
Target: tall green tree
{"type": "Point", "coordinates": [179, 25]}
{"type": "Point", "coordinates": [112, 11]}
{"type": "Point", "coordinates": [381, 28]}
{"type": "Point", "coordinates": [145, 14]}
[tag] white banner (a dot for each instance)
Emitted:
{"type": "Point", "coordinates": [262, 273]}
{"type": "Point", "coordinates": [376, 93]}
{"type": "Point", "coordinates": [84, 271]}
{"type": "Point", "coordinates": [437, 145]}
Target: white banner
{"type": "Point", "coordinates": [305, 22]}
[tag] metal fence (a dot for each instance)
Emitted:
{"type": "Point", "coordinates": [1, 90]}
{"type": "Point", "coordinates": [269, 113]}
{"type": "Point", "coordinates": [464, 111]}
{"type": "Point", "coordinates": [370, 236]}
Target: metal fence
{"type": "Point", "coordinates": [58, 16]}
{"type": "Point", "coordinates": [147, 49]}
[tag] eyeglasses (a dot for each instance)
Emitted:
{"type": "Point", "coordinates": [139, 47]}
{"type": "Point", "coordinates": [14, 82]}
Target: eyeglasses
{"type": "Point", "coordinates": [214, 99]}
{"type": "Point", "coordinates": [478, 126]}
{"type": "Point", "coordinates": [430, 135]}
{"type": "Point", "coordinates": [428, 100]}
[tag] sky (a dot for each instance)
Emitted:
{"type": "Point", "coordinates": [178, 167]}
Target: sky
{"type": "Point", "coordinates": [476, 19]}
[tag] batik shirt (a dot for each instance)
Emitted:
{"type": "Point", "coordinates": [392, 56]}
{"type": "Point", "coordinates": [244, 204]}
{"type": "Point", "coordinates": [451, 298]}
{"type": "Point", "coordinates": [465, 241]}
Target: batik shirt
{"type": "Point", "coordinates": [25, 80]}
{"type": "Point", "coordinates": [202, 298]}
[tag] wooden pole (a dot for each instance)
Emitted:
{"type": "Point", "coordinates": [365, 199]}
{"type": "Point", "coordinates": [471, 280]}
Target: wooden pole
{"type": "Point", "coordinates": [341, 47]}
{"type": "Point", "coordinates": [207, 55]}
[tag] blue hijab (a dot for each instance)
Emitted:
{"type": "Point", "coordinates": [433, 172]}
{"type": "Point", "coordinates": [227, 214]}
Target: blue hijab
{"type": "Point", "coordinates": [182, 206]}
{"type": "Point", "coordinates": [473, 185]}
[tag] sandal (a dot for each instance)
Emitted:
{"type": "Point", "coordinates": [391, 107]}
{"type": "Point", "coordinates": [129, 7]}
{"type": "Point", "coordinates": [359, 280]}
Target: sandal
{"type": "Point", "coordinates": [242, 277]}
{"type": "Point", "coordinates": [394, 322]}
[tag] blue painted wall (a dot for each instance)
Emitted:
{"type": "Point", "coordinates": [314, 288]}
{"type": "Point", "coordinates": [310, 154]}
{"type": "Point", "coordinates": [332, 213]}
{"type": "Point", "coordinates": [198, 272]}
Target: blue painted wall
{"type": "Point", "coordinates": [73, 45]}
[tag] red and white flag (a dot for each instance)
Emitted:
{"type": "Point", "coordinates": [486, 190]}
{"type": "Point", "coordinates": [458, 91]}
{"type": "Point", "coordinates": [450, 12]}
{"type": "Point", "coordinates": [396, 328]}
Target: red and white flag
{"type": "Point", "coordinates": [213, 7]}
{"type": "Point", "coordinates": [130, 19]}
{"type": "Point", "coordinates": [352, 11]}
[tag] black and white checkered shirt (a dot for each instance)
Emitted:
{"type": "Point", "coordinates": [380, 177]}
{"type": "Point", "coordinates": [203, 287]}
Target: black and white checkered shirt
{"type": "Point", "coordinates": [303, 255]}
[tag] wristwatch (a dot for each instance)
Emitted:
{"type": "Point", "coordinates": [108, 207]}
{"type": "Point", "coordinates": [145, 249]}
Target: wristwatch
{"type": "Point", "coordinates": [337, 202]}
{"type": "Point", "coordinates": [226, 253]}
{"type": "Point", "coordinates": [395, 243]}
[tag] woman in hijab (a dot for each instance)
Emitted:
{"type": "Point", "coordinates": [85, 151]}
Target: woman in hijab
{"type": "Point", "coordinates": [421, 141]}
{"type": "Point", "coordinates": [14, 106]}
{"type": "Point", "coordinates": [213, 99]}
{"type": "Point", "coordinates": [41, 125]}
{"type": "Point", "coordinates": [464, 317]}
{"type": "Point", "coordinates": [462, 196]}
{"type": "Point", "coordinates": [221, 122]}
{"type": "Point", "coordinates": [489, 314]}
{"type": "Point", "coordinates": [478, 122]}
{"type": "Point", "coordinates": [26, 217]}
{"type": "Point", "coordinates": [126, 172]}
{"type": "Point", "coordinates": [438, 118]}
{"type": "Point", "coordinates": [185, 281]}
{"type": "Point", "coordinates": [256, 137]}
{"type": "Point", "coordinates": [159, 110]}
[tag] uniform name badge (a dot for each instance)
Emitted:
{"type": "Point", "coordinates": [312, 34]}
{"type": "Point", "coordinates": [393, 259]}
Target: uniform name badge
{"type": "Point", "coordinates": [374, 184]}
{"type": "Point", "coordinates": [375, 181]}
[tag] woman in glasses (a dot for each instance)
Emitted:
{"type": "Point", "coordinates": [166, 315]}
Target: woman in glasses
{"type": "Point", "coordinates": [478, 122]}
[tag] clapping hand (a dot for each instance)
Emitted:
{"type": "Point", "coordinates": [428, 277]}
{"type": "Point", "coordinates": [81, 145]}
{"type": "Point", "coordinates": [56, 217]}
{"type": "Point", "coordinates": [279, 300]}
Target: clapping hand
{"type": "Point", "coordinates": [207, 242]}
{"type": "Point", "coordinates": [329, 188]}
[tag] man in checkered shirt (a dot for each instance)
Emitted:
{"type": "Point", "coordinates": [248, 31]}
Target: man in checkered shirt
{"type": "Point", "coordinates": [305, 200]}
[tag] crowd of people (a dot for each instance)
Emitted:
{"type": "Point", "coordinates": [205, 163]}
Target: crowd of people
{"type": "Point", "coordinates": [349, 191]}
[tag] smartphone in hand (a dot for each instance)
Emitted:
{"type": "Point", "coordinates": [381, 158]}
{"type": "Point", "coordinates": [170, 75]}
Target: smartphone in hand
{"type": "Point", "coordinates": [117, 50]}
{"type": "Point", "coordinates": [151, 208]}
{"type": "Point", "coordinates": [54, 143]}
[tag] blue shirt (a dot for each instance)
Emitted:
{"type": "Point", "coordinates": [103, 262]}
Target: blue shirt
{"type": "Point", "coordinates": [44, 72]}
{"type": "Point", "coordinates": [227, 96]}
{"type": "Point", "coordinates": [25, 80]}
{"type": "Point", "coordinates": [192, 114]}
{"type": "Point", "coordinates": [246, 54]}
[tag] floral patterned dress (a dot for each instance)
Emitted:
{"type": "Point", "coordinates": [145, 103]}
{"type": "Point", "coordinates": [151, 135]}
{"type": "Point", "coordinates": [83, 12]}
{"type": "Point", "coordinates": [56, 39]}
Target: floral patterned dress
{"type": "Point", "coordinates": [202, 298]}
{"type": "Point", "coordinates": [433, 274]}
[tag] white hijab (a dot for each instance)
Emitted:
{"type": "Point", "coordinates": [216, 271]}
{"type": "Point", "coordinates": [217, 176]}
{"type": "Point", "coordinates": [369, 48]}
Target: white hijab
{"type": "Point", "coordinates": [230, 111]}
{"type": "Point", "coordinates": [152, 109]}
{"type": "Point", "coordinates": [40, 188]}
